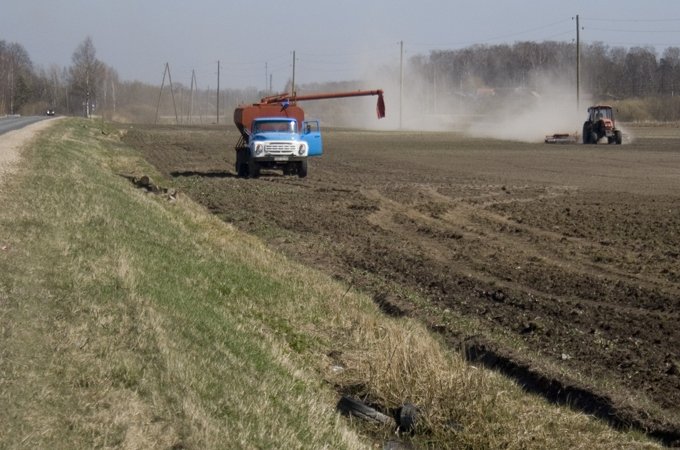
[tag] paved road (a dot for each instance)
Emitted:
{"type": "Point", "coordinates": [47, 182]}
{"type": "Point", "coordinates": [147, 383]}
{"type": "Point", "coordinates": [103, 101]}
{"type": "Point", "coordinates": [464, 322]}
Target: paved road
{"type": "Point", "coordinates": [14, 123]}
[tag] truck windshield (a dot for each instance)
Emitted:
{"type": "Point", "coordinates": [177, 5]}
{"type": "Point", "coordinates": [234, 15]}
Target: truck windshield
{"type": "Point", "coordinates": [281, 126]}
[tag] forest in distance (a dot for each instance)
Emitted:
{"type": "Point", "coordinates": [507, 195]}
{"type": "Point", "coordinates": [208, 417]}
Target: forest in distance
{"type": "Point", "coordinates": [614, 75]}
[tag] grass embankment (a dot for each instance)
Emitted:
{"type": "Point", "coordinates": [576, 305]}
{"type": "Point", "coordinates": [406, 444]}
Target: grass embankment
{"type": "Point", "coordinates": [133, 320]}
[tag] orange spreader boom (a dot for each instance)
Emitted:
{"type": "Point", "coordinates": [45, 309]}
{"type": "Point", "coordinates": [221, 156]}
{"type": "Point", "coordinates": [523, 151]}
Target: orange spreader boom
{"type": "Point", "coordinates": [286, 97]}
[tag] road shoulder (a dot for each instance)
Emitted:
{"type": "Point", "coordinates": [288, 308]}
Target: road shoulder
{"type": "Point", "coordinates": [12, 142]}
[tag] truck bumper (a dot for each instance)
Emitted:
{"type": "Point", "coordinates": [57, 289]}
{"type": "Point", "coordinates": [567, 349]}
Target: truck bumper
{"type": "Point", "coordinates": [278, 161]}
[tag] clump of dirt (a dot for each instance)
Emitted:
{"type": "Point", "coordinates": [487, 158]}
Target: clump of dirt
{"type": "Point", "coordinates": [145, 183]}
{"type": "Point", "coordinates": [567, 252]}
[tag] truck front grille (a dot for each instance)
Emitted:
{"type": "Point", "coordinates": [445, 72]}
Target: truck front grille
{"type": "Point", "coordinates": [280, 148]}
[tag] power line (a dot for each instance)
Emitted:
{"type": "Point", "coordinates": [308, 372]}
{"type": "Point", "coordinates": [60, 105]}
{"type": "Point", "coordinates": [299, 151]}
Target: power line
{"type": "Point", "coordinates": [633, 31]}
{"type": "Point", "coordinates": [631, 20]}
{"type": "Point", "coordinates": [636, 44]}
{"type": "Point", "coordinates": [494, 38]}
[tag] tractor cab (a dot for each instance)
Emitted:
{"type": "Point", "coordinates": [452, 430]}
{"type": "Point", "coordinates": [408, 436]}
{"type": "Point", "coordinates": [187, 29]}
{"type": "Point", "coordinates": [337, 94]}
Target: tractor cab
{"type": "Point", "coordinates": [598, 113]}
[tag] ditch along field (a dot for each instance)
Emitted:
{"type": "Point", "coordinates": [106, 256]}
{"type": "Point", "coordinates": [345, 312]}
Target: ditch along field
{"type": "Point", "coordinates": [557, 264]}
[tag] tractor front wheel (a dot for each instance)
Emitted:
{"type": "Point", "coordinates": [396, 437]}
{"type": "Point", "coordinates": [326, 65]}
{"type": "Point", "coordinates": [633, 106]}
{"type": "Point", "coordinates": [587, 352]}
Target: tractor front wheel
{"type": "Point", "coordinates": [618, 137]}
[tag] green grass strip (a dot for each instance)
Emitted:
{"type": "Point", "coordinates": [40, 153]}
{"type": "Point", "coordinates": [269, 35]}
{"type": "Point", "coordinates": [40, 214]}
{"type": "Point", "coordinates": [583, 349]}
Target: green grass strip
{"type": "Point", "coordinates": [123, 326]}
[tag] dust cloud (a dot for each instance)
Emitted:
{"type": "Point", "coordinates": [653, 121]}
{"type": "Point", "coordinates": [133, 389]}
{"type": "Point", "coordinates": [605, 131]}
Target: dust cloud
{"type": "Point", "coordinates": [545, 106]}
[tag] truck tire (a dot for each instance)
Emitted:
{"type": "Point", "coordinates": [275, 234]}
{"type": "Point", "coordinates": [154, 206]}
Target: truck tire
{"type": "Point", "coordinates": [253, 169]}
{"type": "Point", "coordinates": [302, 169]}
{"type": "Point", "coordinates": [241, 170]}
{"type": "Point", "coordinates": [242, 162]}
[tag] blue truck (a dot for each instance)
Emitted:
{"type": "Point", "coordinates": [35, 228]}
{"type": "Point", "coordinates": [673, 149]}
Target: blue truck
{"type": "Point", "coordinates": [277, 143]}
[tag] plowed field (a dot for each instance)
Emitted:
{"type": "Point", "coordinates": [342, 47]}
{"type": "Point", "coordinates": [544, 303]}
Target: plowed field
{"type": "Point", "coordinates": [559, 264]}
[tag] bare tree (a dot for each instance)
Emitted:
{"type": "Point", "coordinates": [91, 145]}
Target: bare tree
{"type": "Point", "coordinates": [86, 73]}
{"type": "Point", "coordinates": [641, 69]}
{"type": "Point", "coordinates": [669, 71]}
{"type": "Point", "coordinates": [106, 86]}
{"type": "Point", "coordinates": [16, 76]}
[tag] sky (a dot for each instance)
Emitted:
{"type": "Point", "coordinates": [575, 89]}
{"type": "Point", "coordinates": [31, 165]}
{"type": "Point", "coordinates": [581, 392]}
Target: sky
{"type": "Point", "coordinates": [332, 40]}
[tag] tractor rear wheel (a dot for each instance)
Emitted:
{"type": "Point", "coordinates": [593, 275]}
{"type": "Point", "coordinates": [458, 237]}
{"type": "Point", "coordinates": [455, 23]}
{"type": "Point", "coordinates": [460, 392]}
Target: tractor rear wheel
{"type": "Point", "coordinates": [586, 133]}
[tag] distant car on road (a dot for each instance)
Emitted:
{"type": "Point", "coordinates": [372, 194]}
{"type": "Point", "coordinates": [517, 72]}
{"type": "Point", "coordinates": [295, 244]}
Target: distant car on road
{"type": "Point", "coordinates": [49, 112]}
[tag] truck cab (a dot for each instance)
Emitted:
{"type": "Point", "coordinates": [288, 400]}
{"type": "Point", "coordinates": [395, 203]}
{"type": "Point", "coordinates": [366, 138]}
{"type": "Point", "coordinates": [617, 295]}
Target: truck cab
{"type": "Point", "coordinates": [278, 143]}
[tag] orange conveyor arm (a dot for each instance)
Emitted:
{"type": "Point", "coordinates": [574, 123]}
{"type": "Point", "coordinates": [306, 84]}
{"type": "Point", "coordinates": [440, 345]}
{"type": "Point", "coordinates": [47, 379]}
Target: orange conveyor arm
{"type": "Point", "coordinates": [282, 98]}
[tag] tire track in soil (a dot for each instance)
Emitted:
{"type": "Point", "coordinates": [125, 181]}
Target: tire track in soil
{"type": "Point", "coordinates": [545, 244]}
{"type": "Point", "coordinates": [462, 217]}
{"type": "Point", "coordinates": [459, 220]}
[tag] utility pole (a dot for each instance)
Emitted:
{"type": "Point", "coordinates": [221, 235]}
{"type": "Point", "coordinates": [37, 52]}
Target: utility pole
{"type": "Point", "coordinates": [113, 96]}
{"type": "Point", "coordinates": [434, 88]}
{"type": "Point", "coordinates": [578, 65]}
{"type": "Point", "coordinates": [10, 77]}
{"type": "Point", "coordinates": [106, 94]}
{"type": "Point", "coordinates": [218, 91]}
{"type": "Point", "coordinates": [172, 94]}
{"type": "Point", "coordinates": [191, 95]}
{"type": "Point", "coordinates": [266, 77]}
{"type": "Point", "coordinates": [401, 82]}
{"type": "Point", "coordinates": [160, 93]}
{"type": "Point", "coordinates": [293, 87]}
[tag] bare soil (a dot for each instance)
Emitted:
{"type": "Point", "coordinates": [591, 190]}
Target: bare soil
{"type": "Point", "coordinates": [559, 264]}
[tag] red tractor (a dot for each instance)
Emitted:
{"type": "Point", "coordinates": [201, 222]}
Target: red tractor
{"type": "Point", "coordinates": [601, 124]}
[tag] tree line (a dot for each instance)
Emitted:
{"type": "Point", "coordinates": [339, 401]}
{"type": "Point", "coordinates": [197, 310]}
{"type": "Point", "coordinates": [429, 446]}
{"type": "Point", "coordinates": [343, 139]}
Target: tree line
{"type": "Point", "coordinates": [77, 89]}
{"type": "Point", "coordinates": [605, 72]}
{"type": "Point", "coordinates": [89, 86]}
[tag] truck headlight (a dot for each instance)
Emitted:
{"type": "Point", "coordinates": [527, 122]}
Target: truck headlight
{"type": "Point", "coordinates": [259, 149]}
{"type": "Point", "coordinates": [301, 150]}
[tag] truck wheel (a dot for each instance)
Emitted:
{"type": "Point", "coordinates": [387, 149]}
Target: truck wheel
{"type": "Point", "coordinates": [618, 137]}
{"type": "Point", "coordinates": [241, 170]}
{"type": "Point", "coordinates": [242, 162]}
{"type": "Point", "coordinates": [253, 169]}
{"type": "Point", "coordinates": [302, 169]}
